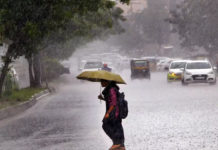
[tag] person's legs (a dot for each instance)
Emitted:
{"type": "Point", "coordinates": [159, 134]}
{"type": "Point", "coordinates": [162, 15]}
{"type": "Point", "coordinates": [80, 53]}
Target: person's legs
{"type": "Point", "coordinates": [109, 130]}
{"type": "Point", "coordinates": [122, 137]}
{"type": "Point", "coordinates": [119, 133]}
{"type": "Point", "coordinates": [115, 131]}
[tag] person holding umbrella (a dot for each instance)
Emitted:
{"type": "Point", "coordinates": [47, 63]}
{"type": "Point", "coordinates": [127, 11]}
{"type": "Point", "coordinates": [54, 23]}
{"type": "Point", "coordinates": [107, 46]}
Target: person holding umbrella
{"type": "Point", "coordinates": [112, 122]}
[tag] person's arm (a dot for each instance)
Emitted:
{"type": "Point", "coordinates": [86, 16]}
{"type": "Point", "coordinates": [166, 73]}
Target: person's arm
{"type": "Point", "coordinates": [108, 112]}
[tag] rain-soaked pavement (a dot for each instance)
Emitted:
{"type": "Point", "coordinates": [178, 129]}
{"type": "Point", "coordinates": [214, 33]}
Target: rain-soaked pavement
{"type": "Point", "coordinates": [163, 116]}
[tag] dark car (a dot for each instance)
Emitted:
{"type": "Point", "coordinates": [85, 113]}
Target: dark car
{"type": "Point", "coordinates": [140, 68]}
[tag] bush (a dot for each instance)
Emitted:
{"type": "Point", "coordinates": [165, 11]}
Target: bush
{"type": "Point", "coordinates": [18, 96]}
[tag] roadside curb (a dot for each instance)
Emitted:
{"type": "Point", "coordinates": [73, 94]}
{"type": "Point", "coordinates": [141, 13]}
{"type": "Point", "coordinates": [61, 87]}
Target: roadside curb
{"type": "Point", "coordinates": [13, 110]}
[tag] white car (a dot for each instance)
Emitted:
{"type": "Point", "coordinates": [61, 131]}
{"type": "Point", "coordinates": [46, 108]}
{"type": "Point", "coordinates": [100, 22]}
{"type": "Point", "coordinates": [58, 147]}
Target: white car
{"type": "Point", "coordinates": [164, 64]}
{"type": "Point", "coordinates": [93, 66]}
{"type": "Point", "coordinates": [199, 71]}
{"type": "Point", "coordinates": [176, 70]}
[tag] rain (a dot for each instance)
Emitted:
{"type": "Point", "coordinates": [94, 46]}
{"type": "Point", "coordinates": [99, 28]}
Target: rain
{"type": "Point", "coordinates": [164, 50]}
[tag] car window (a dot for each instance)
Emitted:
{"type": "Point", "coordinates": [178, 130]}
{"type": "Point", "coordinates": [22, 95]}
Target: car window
{"type": "Point", "coordinates": [140, 63]}
{"type": "Point", "coordinates": [198, 65]}
{"type": "Point", "coordinates": [177, 65]}
{"type": "Point", "coordinates": [91, 65]}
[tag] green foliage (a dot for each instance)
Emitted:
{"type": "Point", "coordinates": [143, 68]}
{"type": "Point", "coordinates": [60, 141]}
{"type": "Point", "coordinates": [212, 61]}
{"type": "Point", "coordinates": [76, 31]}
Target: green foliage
{"type": "Point", "coordinates": [82, 29]}
{"type": "Point", "coordinates": [24, 94]}
{"type": "Point", "coordinates": [10, 84]}
{"type": "Point", "coordinates": [18, 96]}
{"type": "Point", "coordinates": [196, 22]}
{"type": "Point", "coordinates": [28, 23]}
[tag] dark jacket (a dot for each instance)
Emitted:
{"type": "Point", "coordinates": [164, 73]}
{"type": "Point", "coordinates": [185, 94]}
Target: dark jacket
{"type": "Point", "coordinates": [106, 94]}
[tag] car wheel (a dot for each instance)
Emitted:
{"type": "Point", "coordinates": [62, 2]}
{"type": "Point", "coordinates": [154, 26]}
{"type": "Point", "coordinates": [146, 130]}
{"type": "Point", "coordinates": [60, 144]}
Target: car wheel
{"type": "Point", "coordinates": [132, 77]}
{"type": "Point", "coordinates": [184, 83]}
{"type": "Point", "coordinates": [149, 77]}
{"type": "Point", "coordinates": [213, 83]}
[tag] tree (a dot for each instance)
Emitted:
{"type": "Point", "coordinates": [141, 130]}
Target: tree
{"type": "Point", "coordinates": [146, 27]}
{"type": "Point", "coordinates": [81, 30]}
{"type": "Point", "coordinates": [156, 28]}
{"type": "Point", "coordinates": [196, 22]}
{"type": "Point", "coordinates": [27, 23]}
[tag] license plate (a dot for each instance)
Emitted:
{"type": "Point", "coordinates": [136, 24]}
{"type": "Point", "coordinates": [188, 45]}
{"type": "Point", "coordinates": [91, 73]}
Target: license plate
{"type": "Point", "coordinates": [199, 78]}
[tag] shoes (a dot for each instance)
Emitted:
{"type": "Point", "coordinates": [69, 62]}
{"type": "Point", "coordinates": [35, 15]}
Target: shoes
{"type": "Point", "coordinates": [122, 148]}
{"type": "Point", "coordinates": [117, 147]}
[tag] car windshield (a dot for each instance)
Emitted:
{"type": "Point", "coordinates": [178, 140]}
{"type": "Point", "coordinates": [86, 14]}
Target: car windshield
{"type": "Point", "coordinates": [198, 65]}
{"type": "Point", "coordinates": [177, 65]}
{"type": "Point", "coordinates": [141, 63]}
{"type": "Point", "coordinates": [92, 65]}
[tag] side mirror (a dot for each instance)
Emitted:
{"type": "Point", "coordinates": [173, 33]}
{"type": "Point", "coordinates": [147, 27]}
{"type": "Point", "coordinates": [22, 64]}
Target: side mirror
{"type": "Point", "coordinates": [214, 68]}
{"type": "Point", "coordinates": [182, 69]}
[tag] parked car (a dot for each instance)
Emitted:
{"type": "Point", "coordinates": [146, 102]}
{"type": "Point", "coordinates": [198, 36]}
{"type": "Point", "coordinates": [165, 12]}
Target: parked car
{"type": "Point", "coordinates": [93, 66]}
{"type": "Point", "coordinates": [175, 70]}
{"type": "Point", "coordinates": [140, 68]}
{"type": "Point", "coordinates": [199, 71]}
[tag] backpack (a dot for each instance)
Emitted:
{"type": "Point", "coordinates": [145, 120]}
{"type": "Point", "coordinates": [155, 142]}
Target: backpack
{"type": "Point", "coordinates": [123, 106]}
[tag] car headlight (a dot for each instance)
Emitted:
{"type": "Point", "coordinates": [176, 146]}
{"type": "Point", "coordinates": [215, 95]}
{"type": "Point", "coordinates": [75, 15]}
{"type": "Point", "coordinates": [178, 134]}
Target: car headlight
{"type": "Point", "coordinates": [188, 73]}
{"type": "Point", "coordinates": [211, 72]}
{"type": "Point", "coordinates": [172, 73]}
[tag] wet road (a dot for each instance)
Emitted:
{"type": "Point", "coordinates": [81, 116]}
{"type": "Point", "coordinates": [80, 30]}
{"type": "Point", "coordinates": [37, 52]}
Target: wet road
{"type": "Point", "coordinates": [162, 117]}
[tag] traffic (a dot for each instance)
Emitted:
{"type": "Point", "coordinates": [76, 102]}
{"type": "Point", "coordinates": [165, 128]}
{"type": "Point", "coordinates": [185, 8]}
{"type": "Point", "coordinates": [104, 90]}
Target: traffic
{"type": "Point", "coordinates": [186, 71]}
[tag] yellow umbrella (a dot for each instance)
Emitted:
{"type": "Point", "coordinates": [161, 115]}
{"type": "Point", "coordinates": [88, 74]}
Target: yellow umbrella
{"type": "Point", "coordinates": [97, 76]}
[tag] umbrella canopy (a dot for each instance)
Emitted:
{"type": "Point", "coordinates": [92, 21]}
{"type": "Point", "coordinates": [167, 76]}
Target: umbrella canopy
{"type": "Point", "coordinates": [97, 76]}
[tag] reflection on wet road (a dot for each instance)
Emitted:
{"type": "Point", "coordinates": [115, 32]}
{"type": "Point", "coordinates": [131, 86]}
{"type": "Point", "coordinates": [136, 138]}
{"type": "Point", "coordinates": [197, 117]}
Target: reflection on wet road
{"type": "Point", "coordinates": [163, 116]}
